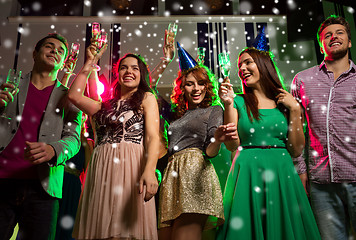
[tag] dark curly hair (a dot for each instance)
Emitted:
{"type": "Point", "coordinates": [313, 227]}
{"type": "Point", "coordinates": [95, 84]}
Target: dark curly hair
{"type": "Point", "coordinates": [135, 100]}
{"type": "Point", "coordinates": [270, 80]}
{"type": "Point", "coordinates": [200, 72]}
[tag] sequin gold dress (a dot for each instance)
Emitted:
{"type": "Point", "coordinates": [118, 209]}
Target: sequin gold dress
{"type": "Point", "coordinates": [110, 205]}
{"type": "Point", "coordinates": [264, 198]}
{"type": "Point", "coordinates": [190, 183]}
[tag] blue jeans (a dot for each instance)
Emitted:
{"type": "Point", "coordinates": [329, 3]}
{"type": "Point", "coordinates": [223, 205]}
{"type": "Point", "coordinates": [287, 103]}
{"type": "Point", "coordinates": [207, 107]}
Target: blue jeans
{"type": "Point", "coordinates": [25, 202]}
{"type": "Point", "coordinates": [334, 207]}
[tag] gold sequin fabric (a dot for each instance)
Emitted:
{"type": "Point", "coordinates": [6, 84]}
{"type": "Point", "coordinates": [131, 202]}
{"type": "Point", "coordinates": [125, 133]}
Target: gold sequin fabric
{"type": "Point", "coordinates": [190, 185]}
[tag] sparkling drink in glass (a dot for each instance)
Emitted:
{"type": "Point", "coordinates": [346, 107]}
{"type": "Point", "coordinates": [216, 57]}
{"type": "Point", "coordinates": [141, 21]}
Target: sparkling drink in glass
{"type": "Point", "coordinates": [172, 32]}
{"type": "Point", "coordinates": [95, 29]}
{"type": "Point", "coordinates": [173, 28]}
{"type": "Point", "coordinates": [103, 39]}
{"type": "Point", "coordinates": [201, 54]}
{"type": "Point", "coordinates": [74, 50]}
{"type": "Point", "coordinates": [224, 63]}
{"type": "Point", "coordinates": [13, 77]}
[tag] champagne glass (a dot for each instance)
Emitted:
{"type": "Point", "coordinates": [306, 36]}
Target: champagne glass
{"type": "Point", "coordinates": [73, 56]}
{"type": "Point", "coordinates": [103, 39]}
{"type": "Point", "coordinates": [225, 67]}
{"type": "Point", "coordinates": [172, 32]}
{"type": "Point", "coordinates": [13, 77]}
{"type": "Point", "coordinates": [201, 54]}
{"type": "Point", "coordinates": [74, 51]}
{"type": "Point", "coordinates": [224, 63]}
{"type": "Point", "coordinates": [95, 29]}
{"type": "Point", "coordinates": [96, 34]}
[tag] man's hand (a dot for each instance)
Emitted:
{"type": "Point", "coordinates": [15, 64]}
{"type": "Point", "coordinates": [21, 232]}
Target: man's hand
{"type": "Point", "coordinates": [38, 152]}
{"type": "Point", "coordinates": [5, 95]}
{"type": "Point", "coordinates": [70, 65]}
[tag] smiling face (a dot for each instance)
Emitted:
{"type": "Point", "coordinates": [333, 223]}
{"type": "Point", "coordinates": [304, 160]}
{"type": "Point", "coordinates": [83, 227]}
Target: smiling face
{"type": "Point", "coordinates": [334, 42]}
{"type": "Point", "coordinates": [248, 70]}
{"type": "Point", "coordinates": [194, 91]}
{"type": "Point", "coordinates": [129, 73]}
{"type": "Point", "coordinates": [52, 53]}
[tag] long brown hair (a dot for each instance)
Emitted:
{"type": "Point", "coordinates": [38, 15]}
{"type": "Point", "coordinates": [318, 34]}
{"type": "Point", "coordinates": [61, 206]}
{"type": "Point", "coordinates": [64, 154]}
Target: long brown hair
{"type": "Point", "coordinates": [135, 100]}
{"type": "Point", "coordinates": [270, 81]}
{"type": "Point", "coordinates": [200, 72]}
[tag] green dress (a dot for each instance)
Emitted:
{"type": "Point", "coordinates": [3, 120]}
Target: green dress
{"type": "Point", "coordinates": [264, 197]}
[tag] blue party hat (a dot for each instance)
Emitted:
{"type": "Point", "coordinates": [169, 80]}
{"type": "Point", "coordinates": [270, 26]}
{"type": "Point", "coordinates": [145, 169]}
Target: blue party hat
{"type": "Point", "coordinates": [261, 42]}
{"type": "Point", "coordinates": [186, 61]}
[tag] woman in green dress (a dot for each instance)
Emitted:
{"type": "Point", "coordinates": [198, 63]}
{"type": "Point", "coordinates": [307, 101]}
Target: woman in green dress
{"type": "Point", "coordinates": [264, 197]}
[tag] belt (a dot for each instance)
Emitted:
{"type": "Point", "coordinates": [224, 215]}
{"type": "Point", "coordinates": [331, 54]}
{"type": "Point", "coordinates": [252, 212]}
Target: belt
{"type": "Point", "coordinates": [262, 147]}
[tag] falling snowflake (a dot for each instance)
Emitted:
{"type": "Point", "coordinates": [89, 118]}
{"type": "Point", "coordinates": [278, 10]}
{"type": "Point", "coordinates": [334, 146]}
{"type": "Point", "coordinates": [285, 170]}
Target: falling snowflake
{"type": "Point", "coordinates": [67, 222]}
{"type": "Point", "coordinates": [236, 223]}
{"type": "Point", "coordinates": [16, 150]}
{"type": "Point", "coordinates": [245, 7]}
{"type": "Point", "coordinates": [268, 175]}
{"type": "Point", "coordinates": [174, 174]}
{"type": "Point", "coordinates": [315, 153]}
{"type": "Point", "coordinates": [118, 190]}
{"type": "Point", "coordinates": [263, 211]}
{"type": "Point", "coordinates": [71, 165]}
{"type": "Point", "coordinates": [8, 43]}
{"type": "Point", "coordinates": [138, 33]}
{"type": "Point", "coordinates": [351, 10]}
{"type": "Point", "coordinates": [291, 5]}
{"type": "Point", "coordinates": [257, 189]}
{"type": "Point", "coordinates": [36, 6]}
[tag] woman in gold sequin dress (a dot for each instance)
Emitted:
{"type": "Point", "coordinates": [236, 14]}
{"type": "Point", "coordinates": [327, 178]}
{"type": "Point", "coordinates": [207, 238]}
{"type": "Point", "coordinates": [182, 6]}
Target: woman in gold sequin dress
{"type": "Point", "coordinates": [117, 202]}
{"type": "Point", "coordinates": [190, 196]}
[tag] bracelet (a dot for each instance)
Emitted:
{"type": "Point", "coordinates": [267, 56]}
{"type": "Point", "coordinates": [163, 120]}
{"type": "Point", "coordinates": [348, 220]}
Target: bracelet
{"type": "Point", "coordinates": [70, 73]}
{"type": "Point", "coordinates": [158, 176]}
{"type": "Point", "coordinates": [166, 59]}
